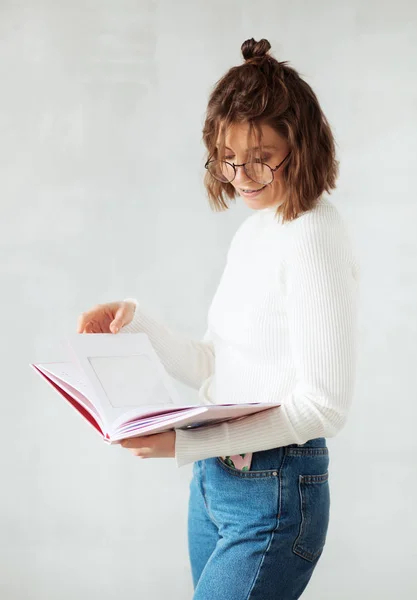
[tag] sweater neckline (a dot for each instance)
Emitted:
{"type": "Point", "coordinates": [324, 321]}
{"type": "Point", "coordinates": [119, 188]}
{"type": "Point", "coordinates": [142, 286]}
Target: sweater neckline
{"type": "Point", "coordinates": [273, 209]}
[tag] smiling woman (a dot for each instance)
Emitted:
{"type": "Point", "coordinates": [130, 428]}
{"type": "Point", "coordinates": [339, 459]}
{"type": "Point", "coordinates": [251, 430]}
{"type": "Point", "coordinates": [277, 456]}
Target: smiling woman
{"type": "Point", "coordinates": [262, 111]}
{"type": "Point", "coordinates": [281, 328]}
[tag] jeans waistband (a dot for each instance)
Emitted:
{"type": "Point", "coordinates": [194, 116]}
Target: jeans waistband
{"type": "Point", "coordinates": [319, 442]}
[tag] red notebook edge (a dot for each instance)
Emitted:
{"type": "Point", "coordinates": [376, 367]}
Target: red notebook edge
{"type": "Point", "coordinates": [89, 417]}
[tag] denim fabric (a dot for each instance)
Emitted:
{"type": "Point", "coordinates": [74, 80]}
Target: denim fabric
{"type": "Point", "coordinates": [258, 534]}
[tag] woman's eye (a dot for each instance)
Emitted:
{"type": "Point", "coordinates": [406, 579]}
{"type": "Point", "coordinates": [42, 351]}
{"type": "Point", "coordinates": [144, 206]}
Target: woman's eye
{"type": "Point", "coordinates": [263, 159]}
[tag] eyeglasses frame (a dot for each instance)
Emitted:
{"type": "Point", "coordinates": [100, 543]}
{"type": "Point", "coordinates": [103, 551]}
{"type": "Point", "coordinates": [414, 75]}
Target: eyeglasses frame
{"type": "Point", "coordinates": [234, 166]}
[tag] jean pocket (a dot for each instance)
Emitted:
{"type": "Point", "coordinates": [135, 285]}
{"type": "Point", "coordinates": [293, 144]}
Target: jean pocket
{"type": "Point", "coordinates": [315, 507]}
{"type": "Point", "coordinates": [249, 474]}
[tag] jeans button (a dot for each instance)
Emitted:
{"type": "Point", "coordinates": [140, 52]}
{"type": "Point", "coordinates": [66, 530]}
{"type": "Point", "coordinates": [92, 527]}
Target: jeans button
{"type": "Point", "coordinates": [274, 473]}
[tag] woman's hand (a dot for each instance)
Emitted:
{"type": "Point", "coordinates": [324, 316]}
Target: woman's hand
{"type": "Point", "coordinates": [158, 445]}
{"type": "Point", "coordinates": [106, 318]}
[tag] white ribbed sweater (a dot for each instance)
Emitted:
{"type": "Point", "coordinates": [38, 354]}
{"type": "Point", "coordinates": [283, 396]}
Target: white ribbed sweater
{"type": "Point", "coordinates": [281, 328]}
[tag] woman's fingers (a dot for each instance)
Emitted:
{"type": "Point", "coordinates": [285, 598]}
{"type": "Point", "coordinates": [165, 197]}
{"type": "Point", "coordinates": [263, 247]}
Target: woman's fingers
{"type": "Point", "coordinates": [82, 322]}
{"type": "Point", "coordinates": [119, 319]}
{"type": "Point", "coordinates": [106, 318]}
{"type": "Point", "coordinates": [92, 321]}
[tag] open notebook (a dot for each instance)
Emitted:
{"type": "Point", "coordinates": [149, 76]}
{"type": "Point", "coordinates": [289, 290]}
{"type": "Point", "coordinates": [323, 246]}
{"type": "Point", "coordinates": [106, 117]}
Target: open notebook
{"type": "Point", "coordinates": [119, 385]}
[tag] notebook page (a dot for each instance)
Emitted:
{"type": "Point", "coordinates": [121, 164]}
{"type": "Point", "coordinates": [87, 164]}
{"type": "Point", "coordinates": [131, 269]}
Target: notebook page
{"type": "Point", "coordinates": [125, 373]}
{"type": "Point", "coordinates": [70, 374]}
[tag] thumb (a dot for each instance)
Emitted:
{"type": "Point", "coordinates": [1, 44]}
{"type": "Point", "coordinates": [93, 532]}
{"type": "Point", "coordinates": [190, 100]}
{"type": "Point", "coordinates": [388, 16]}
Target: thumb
{"type": "Point", "coordinates": [118, 320]}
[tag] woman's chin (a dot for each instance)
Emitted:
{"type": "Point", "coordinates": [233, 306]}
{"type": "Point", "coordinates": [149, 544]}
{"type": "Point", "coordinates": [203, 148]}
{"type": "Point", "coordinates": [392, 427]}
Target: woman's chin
{"type": "Point", "coordinates": [254, 204]}
{"type": "Point", "coordinates": [257, 203]}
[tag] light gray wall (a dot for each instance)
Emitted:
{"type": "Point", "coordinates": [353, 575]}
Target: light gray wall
{"type": "Point", "coordinates": [101, 109]}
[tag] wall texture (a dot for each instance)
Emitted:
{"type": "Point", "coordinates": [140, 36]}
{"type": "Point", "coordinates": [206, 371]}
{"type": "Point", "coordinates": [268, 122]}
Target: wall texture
{"type": "Point", "coordinates": [101, 108]}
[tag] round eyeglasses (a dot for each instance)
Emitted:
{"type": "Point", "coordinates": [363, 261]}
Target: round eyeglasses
{"type": "Point", "coordinates": [257, 171]}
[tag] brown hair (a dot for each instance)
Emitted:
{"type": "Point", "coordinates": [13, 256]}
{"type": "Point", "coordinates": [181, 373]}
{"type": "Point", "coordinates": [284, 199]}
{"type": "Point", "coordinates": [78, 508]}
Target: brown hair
{"type": "Point", "coordinates": [260, 91]}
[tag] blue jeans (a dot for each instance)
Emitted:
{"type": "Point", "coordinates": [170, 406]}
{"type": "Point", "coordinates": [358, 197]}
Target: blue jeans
{"type": "Point", "coordinates": [258, 534]}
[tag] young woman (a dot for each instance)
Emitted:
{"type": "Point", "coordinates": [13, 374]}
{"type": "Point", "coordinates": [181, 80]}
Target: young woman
{"type": "Point", "coordinates": [281, 327]}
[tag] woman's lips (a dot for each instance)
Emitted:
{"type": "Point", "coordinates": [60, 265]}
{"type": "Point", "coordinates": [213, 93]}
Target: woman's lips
{"type": "Point", "coordinates": [252, 193]}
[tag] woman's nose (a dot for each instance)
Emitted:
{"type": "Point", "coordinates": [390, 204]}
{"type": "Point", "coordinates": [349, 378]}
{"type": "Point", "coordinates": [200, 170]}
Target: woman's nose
{"type": "Point", "coordinates": [241, 177]}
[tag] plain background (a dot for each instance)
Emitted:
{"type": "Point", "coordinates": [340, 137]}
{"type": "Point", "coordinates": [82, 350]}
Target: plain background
{"type": "Point", "coordinates": [101, 109]}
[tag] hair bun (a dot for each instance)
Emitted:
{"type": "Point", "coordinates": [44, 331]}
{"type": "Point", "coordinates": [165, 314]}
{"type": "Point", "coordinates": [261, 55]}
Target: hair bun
{"type": "Point", "coordinates": [252, 49]}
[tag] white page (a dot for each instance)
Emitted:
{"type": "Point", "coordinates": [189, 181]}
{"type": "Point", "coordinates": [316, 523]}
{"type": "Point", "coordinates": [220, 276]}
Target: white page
{"type": "Point", "coordinates": [149, 413]}
{"type": "Point", "coordinates": [129, 381]}
{"type": "Point", "coordinates": [152, 428]}
{"type": "Point", "coordinates": [124, 372]}
{"type": "Point", "coordinates": [72, 375]}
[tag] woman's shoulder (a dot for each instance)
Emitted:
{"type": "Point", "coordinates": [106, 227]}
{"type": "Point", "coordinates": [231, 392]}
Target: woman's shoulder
{"type": "Point", "coordinates": [323, 215]}
{"type": "Point", "coordinates": [321, 229]}
{"type": "Point", "coordinates": [323, 221]}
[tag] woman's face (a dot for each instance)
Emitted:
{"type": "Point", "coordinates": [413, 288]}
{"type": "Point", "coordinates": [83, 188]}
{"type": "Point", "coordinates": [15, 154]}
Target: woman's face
{"type": "Point", "coordinates": [275, 149]}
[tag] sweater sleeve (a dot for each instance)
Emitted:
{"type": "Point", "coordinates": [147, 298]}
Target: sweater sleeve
{"type": "Point", "coordinates": [189, 361]}
{"type": "Point", "coordinates": [321, 284]}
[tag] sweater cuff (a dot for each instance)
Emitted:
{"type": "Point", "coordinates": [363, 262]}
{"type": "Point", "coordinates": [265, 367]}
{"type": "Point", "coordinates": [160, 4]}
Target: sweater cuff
{"type": "Point", "coordinates": [192, 445]}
